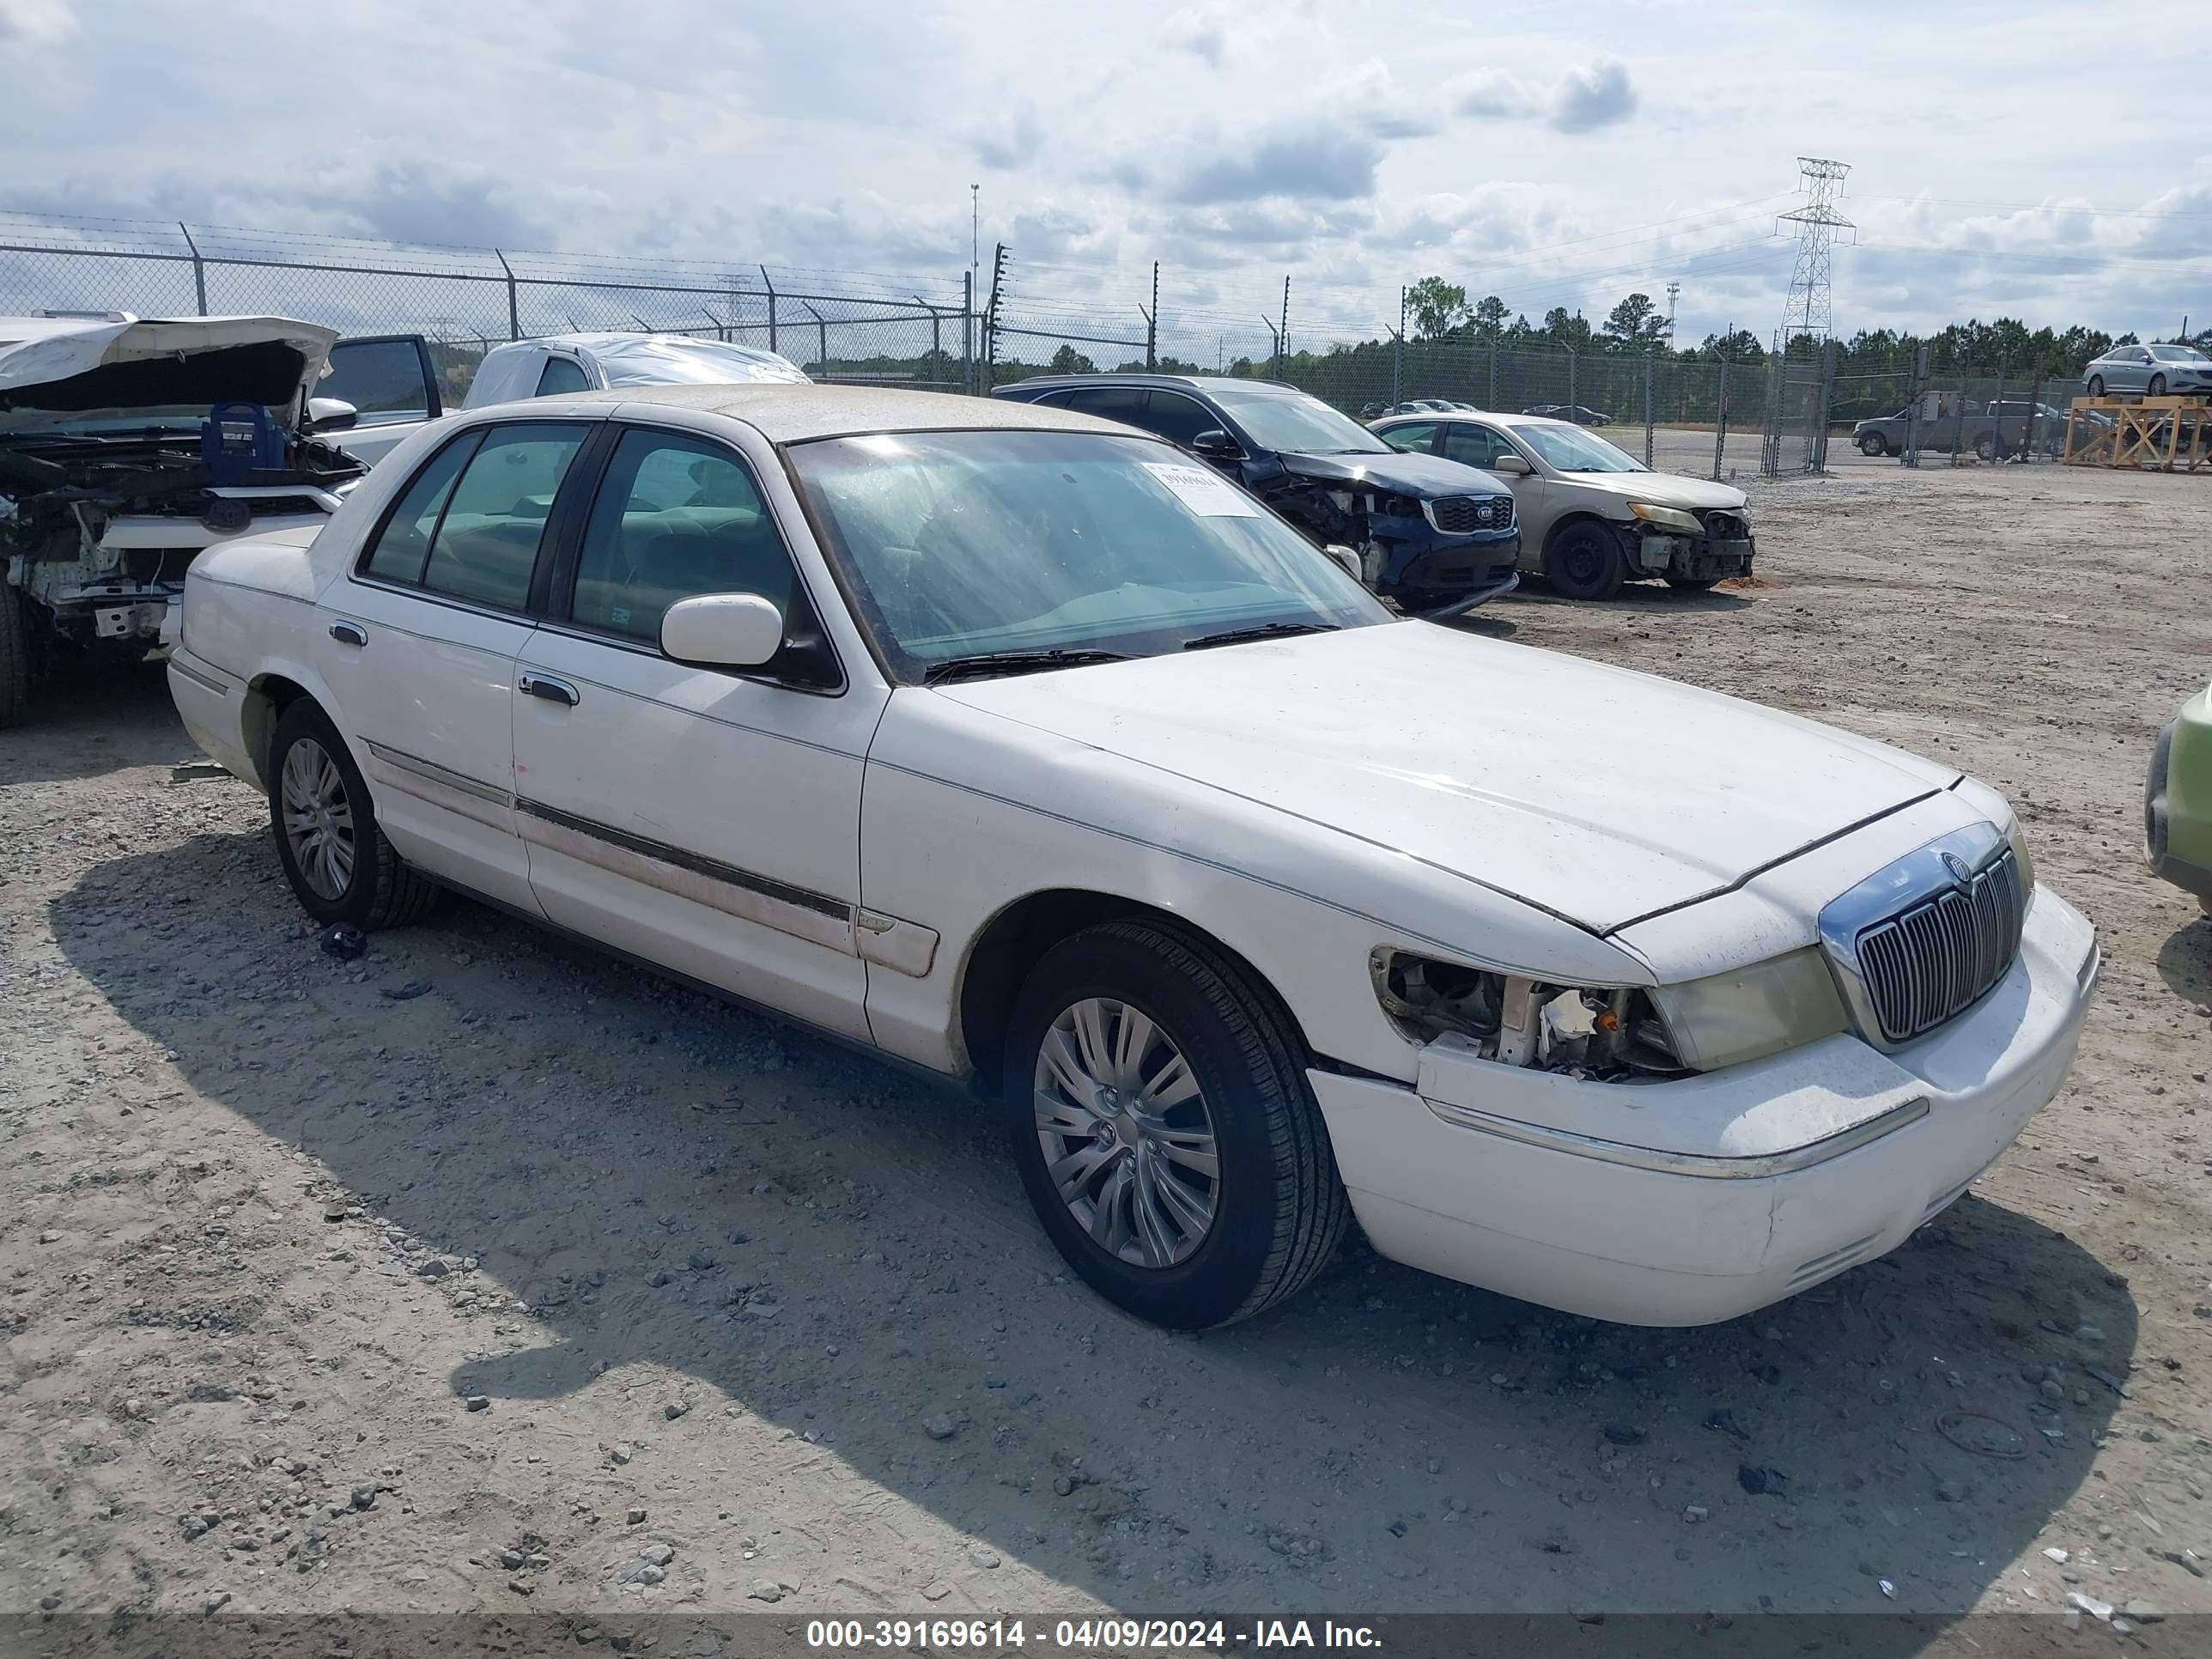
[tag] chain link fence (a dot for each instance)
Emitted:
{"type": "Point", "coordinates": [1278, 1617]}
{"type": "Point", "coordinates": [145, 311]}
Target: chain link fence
{"type": "Point", "coordinates": [1721, 416]}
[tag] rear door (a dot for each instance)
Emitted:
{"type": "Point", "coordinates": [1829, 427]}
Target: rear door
{"type": "Point", "coordinates": [704, 818]}
{"type": "Point", "coordinates": [424, 635]}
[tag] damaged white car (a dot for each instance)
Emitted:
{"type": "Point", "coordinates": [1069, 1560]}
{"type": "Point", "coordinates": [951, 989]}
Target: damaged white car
{"type": "Point", "coordinates": [1016, 744]}
{"type": "Point", "coordinates": [130, 444]}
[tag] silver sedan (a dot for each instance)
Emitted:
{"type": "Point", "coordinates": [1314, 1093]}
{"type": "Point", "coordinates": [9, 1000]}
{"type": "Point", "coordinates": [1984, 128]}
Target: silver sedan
{"type": "Point", "coordinates": [2153, 370]}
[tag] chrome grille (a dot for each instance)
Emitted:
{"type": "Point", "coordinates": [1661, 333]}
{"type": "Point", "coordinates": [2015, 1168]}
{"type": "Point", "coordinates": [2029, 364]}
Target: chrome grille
{"type": "Point", "coordinates": [1463, 515]}
{"type": "Point", "coordinates": [1929, 962]}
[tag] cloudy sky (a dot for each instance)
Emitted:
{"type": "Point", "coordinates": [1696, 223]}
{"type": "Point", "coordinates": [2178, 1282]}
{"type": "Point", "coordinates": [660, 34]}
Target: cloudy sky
{"type": "Point", "coordinates": [1554, 154]}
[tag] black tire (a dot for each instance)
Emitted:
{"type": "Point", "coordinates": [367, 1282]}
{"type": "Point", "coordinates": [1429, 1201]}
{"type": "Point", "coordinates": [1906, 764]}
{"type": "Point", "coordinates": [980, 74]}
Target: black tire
{"type": "Point", "coordinates": [1693, 584]}
{"type": "Point", "coordinates": [1583, 562]}
{"type": "Point", "coordinates": [382, 889]}
{"type": "Point", "coordinates": [2096, 385]}
{"type": "Point", "coordinates": [2156, 387]}
{"type": "Point", "coordinates": [1874, 445]}
{"type": "Point", "coordinates": [1278, 1206]}
{"type": "Point", "coordinates": [1985, 448]}
{"type": "Point", "coordinates": [15, 656]}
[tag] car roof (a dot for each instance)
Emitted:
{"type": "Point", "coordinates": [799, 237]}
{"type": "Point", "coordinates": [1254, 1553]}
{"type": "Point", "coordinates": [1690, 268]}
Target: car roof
{"type": "Point", "coordinates": [1433, 415]}
{"type": "Point", "coordinates": [794, 414]}
{"type": "Point", "coordinates": [1215, 383]}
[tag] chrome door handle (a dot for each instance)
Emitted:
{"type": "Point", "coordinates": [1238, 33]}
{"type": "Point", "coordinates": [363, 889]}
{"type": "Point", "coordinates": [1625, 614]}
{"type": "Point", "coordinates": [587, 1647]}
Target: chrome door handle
{"type": "Point", "coordinates": [545, 686]}
{"type": "Point", "coordinates": [346, 633]}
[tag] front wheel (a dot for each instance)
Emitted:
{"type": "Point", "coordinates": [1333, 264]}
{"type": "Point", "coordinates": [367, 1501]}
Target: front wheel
{"type": "Point", "coordinates": [2157, 387]}
{"type": "Point", "coordinates": [1158, 1112]}
{"type": "Point", "coordinates": [1874, 445]}
{"type": "Point", "coordinates": [341, 867]}
{"type": "Point", "coordinates": [2096, 385]}
{"type": "Point", "coordinates": [1584, 562]}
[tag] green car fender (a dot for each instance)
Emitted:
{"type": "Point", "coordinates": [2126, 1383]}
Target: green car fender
{"type": "Point", "coordinates": [2177, 800]}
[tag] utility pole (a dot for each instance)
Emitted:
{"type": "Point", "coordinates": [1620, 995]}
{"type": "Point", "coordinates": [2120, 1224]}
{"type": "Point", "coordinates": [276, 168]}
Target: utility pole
{"type": "Point", "coordinates": [1806, 312]}
{"type": "Point", "coordinates": [1673, 288]}
{"type": "Point", "coordinates": [975, 231]}
{"type": "Point", "coordinates": [1152, 322]}
{"type": "Point", "coordinates": [1283, 339]}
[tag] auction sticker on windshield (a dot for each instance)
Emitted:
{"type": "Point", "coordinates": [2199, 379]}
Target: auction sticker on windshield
{"type": "Point", "coordinates": [1202, 492]}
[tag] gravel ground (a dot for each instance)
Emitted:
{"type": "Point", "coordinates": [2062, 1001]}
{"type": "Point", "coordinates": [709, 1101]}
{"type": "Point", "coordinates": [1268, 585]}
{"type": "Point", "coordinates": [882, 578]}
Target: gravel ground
{"type": "Point", "coordinates": [485, 1275]}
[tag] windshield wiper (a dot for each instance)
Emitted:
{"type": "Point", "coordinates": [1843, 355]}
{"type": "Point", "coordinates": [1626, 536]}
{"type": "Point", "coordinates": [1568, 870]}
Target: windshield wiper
{"type": "Point", "coordinates": [1013, 662]}
{"type": "Point", "coordinates": [1273, 630]}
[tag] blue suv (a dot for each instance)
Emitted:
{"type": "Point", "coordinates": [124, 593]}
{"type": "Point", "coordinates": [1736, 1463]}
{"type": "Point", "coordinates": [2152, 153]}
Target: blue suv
{"type": "Point", "coordinates": [1435, 537]}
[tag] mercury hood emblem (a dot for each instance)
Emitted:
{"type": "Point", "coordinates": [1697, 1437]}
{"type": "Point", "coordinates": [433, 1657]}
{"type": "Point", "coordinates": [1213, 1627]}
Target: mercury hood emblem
{"type": "Point", "coordinates": [1957, 867]}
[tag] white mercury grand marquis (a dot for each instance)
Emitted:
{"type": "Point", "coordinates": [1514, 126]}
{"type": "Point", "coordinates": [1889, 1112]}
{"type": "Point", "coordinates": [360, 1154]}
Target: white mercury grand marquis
{"type": "Point", "coordinates": [1016, 746]}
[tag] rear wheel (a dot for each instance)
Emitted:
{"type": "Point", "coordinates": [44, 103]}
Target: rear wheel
{"type": "Point", "coordinates": [15, 656]}
{"type": "Point", "coordinates": [1157, 1109]}
{"type": "Point", "coordinates": [340, 865]}
{"type": "Point", "coordinates": [1985, 448]}
{"type": "Point", "coordinates": [1584, 562]}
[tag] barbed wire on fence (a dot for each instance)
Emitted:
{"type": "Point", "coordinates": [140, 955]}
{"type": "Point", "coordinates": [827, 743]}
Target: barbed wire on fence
{"type": "Point", "coordinates": [929, 331]}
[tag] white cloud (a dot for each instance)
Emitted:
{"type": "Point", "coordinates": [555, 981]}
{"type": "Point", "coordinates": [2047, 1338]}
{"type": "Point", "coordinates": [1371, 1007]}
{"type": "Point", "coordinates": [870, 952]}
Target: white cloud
{"type": "Point", "coordinates": [1583, 98]}
{"type": "Point", "coordinates": [36, 22]}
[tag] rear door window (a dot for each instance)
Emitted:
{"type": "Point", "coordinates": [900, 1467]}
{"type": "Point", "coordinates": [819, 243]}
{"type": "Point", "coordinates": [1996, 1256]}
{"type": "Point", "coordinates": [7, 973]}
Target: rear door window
{"type": "Point", "coordinates": [1113, 403]}
{"type": "Point", "coordinates": [1415, 437]}
{"type": "Point", "coordinates": [470, 523]}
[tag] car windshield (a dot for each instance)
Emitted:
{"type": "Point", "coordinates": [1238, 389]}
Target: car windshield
{"type": "Point", "coordinates": [2179, 354]}
{"type": "Point", "coordinates": [958, 545]}
{"type": "Point", "coordinates": [1292, 422]}
{"type": "Point", "coordinates": [1570, 449]}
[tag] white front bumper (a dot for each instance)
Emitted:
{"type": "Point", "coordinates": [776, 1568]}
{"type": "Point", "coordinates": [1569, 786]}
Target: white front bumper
{"type": "Point", "coordinates": [1686, 1202]}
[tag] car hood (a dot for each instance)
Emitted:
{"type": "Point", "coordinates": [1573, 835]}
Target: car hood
{"type": "Point", "coordinates": [1662, 490]}
{"type": "Point", "coordinates": [118, 362]}
{"type": "Point", "coordinates": [1598, 794]}
{"type": "Point", "coordinates": [1425, 476]}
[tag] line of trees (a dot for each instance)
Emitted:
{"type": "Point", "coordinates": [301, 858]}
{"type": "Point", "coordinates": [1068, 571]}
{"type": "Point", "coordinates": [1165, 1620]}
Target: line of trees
{"type": "Point", "coordinates": [1438, 311]}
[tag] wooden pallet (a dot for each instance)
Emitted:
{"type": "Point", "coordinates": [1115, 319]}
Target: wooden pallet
{"type": "Point", "coordinates": [2170, 434]}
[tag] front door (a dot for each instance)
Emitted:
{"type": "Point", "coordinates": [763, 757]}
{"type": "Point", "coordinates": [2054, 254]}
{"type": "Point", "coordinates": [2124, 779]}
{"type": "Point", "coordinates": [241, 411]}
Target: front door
{"type": "Point", "coordinates": [427, 628]}
{"type": "Point", "coordinates": [703, 818]}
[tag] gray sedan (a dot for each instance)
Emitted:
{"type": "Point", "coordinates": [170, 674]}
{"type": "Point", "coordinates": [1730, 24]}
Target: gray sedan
{"type": "Point", "coordinates": [2153, 370]}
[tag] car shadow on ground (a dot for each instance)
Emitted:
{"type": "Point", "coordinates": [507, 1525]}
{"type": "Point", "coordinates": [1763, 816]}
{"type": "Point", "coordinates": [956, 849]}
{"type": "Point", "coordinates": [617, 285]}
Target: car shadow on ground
{"type": "Point", "coordinates": [2185, 961]}
{"type": "Point", "coordinates": [1649, 597]}
{"type": "Point", "coordinates": [92, 718]}
{"type": "Point", "coordinates": [843, 1251]}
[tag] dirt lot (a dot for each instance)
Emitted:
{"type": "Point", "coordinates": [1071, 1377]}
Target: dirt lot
{"type": "Point", "coordinates": [414, 1283]}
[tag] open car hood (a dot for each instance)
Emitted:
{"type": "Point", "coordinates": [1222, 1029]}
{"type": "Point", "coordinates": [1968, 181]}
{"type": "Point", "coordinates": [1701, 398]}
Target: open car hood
{"type": "Point", "coordinates": [120, 362]}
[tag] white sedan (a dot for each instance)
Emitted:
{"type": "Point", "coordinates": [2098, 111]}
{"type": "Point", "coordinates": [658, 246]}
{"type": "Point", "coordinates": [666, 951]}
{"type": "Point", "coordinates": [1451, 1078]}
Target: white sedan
{"type": "Point", "coordinates": [1009, 742]}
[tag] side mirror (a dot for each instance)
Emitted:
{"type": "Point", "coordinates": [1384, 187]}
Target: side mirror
{"type": "Point", "coordinates": [1512, 465]}
{"type": "Point", "coordinates": [722, 630]}
{"type": "Point", "coordinates": [331, 415]}
{"type": "Point", "coordinates": [1216, 445]}
{"type": "Point", "coordinates": [1345, 556]}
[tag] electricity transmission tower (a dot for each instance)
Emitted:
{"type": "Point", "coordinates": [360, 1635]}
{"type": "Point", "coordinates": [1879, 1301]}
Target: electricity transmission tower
{"type": "Point", "coordinates": [1806, 311]}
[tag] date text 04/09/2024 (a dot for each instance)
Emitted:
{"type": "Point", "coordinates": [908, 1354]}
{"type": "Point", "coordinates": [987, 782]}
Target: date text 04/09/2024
{"type": "Point", "coordinates": [1088, 1635]}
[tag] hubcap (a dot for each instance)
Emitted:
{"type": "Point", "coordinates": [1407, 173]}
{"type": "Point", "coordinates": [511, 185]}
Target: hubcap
{"type": "Point", "coordinates": [1127, 1136]}
{"type": "Point", "coordinates": [317, 819]}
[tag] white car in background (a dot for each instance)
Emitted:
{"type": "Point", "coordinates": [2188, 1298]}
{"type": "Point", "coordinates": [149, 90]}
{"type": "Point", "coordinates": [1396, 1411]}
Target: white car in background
{"type": "Point", "coordinates": [1592, 515]}
{"type": "Point", "coordinates": [548, 367]}
{"type": "Point", "coordinates": [1018, 745]}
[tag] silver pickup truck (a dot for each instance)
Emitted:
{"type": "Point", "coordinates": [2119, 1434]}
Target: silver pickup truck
{"type": "Point", "coordinates": [2010, 426]}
